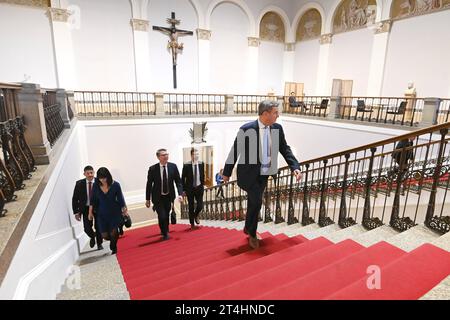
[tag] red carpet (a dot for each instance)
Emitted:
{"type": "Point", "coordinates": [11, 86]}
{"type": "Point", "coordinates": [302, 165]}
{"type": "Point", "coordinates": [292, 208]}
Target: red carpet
{"type": "Point", "coordinates": [216, 263]}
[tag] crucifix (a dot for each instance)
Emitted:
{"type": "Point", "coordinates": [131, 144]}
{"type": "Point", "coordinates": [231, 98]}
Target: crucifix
{"type": "Point", "coordinates": [173, 44]}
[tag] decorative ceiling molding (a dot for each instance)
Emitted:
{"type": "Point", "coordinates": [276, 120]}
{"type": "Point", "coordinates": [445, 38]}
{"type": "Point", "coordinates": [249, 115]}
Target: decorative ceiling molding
{"type": "Point", "coordinates": [326, 38]}
{"type": "Point", "coordinates": [58, 15]}
{"type": "Point", "coordinates": [401, 9]}
{"type": "Point", "coordinates": [140, 25]}
{"type": "Point", "coordinates": [289, 46]}
{"type": "Point", "coordinates": [253, 42]}
{"type": "Point", "coordinates": [203, 34]}
{"type": "Point", "coordinates": [30, 3]}
{"type": "Point", "coordinates": [383, 26]}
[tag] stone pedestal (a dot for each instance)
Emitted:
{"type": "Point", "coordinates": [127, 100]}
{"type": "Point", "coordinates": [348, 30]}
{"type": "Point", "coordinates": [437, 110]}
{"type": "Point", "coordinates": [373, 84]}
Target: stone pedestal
{"type": "Point", "coordinates": [430, 112]}
{"type": "Point", "coordinates": [159, 104]}
{"type": "Point", "coordinates": [281, 106]}
{"type": "Point", "coordinates": [334, 112]}
{"type": "Point", "coordinates": [229, 104]}
{"type": "Point", "coordinates": [30, 101]}
{"type": "Point", "coordinates": [62, 101]}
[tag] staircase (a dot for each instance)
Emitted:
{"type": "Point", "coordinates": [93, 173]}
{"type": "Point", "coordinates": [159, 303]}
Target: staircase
{"type": "Point", "coordinates": [217, 263]}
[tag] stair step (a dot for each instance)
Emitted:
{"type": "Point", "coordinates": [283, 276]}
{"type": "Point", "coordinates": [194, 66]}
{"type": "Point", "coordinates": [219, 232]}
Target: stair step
{"type": "Point", "coordinates": [338, 275]}
{"type": "Point", "coordinates": [324, 231]}
{"type": "Point", "coordinates": [347, 233]}
{"type": "Point", "coordinates": [413, 238]}
{"type": "Point", "coordinates": [376, 235]}
{"type": "Point", "coordinates": [159, 287]}
{"type": "Point", "coordinates": [409, 277]}
{"type": "Point", "coordinates": [286, 271]}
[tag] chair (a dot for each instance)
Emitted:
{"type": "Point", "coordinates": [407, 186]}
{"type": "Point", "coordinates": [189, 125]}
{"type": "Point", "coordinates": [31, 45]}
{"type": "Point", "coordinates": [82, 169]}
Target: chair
{"type": "Point", "coordinates": [399, 111]}
{"type": "Point", "coordinates": [361, 107]}
{"type": "Point", "coordinates": [323, 106]}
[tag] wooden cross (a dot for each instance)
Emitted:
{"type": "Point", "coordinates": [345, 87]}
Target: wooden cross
{"type": "Point", "coordinates": [173, 44]}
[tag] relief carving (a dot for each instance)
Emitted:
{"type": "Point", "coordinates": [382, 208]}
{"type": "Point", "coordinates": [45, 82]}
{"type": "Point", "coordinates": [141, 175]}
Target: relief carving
{"type": "Point", "coordinates": [271, 28]}
{"type": "Point", "coordinates": [309, 26]}
{"type": "Point", "coordinates": [354, 14]}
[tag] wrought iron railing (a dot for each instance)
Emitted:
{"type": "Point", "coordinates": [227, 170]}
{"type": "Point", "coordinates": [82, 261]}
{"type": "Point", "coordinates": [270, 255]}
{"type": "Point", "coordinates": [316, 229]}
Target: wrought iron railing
{"type": "Point", "coordinates": [114, 104]}
{"type": "Point", "coordinates": [190, 104]}
{"type": "Point", "coordinates": [403, 111]}
{"type": "Point", "coordinates": [54, 123]}
{"type": "Point", "coordinates": [317, 106]}
{"type": "Point", "coordinates": [248, 104]}
{"type": "Point", "coordinates": [376, 184]}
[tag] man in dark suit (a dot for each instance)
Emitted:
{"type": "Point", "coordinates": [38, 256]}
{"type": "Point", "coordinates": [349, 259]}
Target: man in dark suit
{"type": "Point", "coordinates": [80, 206]}
{"type": "Point", "coordinates": [193, 180]}
{"type": "Point", "coordinates": [160, 189]}
{"type": "Point", "coordinates": [293, 103]}
{"type": "Point", "coordinates": [256, 147]}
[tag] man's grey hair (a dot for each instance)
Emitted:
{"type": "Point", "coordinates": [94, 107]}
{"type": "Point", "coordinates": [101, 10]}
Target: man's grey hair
{"type": "Point", "coordinates": [267, 105]}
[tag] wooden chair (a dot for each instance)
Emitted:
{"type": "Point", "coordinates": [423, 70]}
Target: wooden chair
{"type": "Point", "coordinates": [361, 107]}
{"type": "Point", "coordinates": [398, 111]}
{"type": "Point", "coordinates": [323, 106]}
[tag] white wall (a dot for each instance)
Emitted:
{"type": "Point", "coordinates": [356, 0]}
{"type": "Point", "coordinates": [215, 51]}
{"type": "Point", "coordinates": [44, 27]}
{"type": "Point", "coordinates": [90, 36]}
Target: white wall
{"type": "Point", "coordinates": [26, 46]}
{"type": "Point", "coordinates": [350, 55]}
{"type": "Point", "coordinates": [270, 69]}
{"type": "Point", "coordinates": [161, 58]}
{"type": "Point", "coordinates": [418, 51]}
{"type": "Point", "coordinates": [103, 46]}
{"type": "Point", "coordinates": [229, 49]}
{"type": "Point", "coordinates": [50, 244]}
{"type": "Point", "coordinates": [306, 64]}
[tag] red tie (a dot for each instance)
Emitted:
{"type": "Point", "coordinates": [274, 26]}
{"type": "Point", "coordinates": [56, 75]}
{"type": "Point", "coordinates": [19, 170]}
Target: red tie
{"type": "Point", "coordinates": [89, 190]}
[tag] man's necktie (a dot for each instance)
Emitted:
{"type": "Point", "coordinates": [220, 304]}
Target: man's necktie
{"type": "Point", "coordinates": [265, 164]}
{"type": "Point", "coordinates": [165, 186]}
{"type": "Point", "coordinates": [89, 191]}
{"type": "Point", "coordinates": [194, 183]}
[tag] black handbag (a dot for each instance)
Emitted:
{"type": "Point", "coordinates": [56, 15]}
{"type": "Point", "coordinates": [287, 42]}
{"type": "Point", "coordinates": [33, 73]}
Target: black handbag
{"type": "Point", "coordinates": [173, 216]}
{"type": "Point", "coordinates": [127, 221]}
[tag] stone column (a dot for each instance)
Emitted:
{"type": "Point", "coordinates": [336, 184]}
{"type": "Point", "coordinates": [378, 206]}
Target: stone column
{"type": "Point", "coordinates": [229, 104]}
{"type": "Point", "coordinates": [378, 58]}
{"type": "Point", "coordinates": [62, 101]}
{"type": "Point", "coordinates": [63, 46]}
{"type": "Point", "coordinates": [141, 54]}
{"type": "Point", "coordinates": [204, 60]}
{"type": "Point", "coordinates": [322, 86]}
{"type": "Point", "coordinates": [288, 63]}
{"type": "Point", "coordinates": [159, 103]}
{"type": "Point", "coordinates": [280, 100]}
{"type": "Point", "coordinates": [334, 112]}
{"type": "Point", "coordinates": [430, 112]}
{"type": "Point", "coordinates": [252, 65]}
{"type": "Point", "coordinates": [31, 104]}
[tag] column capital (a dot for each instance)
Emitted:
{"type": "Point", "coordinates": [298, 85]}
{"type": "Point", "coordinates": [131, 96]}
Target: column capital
{"type": "Point", "coordinates": [58, 14]}
{"type": "Point", "coordinates": [203, 34]}
{"type": "Point", "coordinates": [383, 26]}
{"type": "Point", "coordinates": [326, 38]}
{"type": "Point", "coordinates": [140, 25]}
{"type": "Point", "coordinates": [289, 46]}
{"type": "Point", "coordinates": [253, 42]}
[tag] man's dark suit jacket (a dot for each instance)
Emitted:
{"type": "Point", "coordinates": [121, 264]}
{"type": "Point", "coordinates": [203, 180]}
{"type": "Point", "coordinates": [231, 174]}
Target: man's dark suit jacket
{"type": "Point", "coordinates": [154, 183]}
{"type": "Point", "coordinates": [79, 198]}
{"type": "Point", "coordinates": [247, 172]}
{"type": "Point", "coordinates": [187, 175]}
{"type": "Point", "coordinates": [293, 102]}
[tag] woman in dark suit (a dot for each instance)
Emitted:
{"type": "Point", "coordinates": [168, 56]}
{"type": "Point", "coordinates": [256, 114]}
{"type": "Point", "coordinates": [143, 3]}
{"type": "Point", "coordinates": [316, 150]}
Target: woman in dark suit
{"type": "Point", "coordinates": [107, 198]}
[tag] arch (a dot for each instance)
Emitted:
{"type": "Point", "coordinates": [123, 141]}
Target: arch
{"type": "Point", "coordinates": [283, 16]}
{"type": "Point", "coordinates": [302, 11]}
{"type": "Point", "coordinates": [199, 12]}
{"type": "Point", "coordinates": [335, 6]}
{"type": "Point", "coordinates": [239, 3]}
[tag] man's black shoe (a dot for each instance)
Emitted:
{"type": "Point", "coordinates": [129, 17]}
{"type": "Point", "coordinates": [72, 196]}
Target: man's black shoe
{"type": "Point", "coordinates": [99, 247]}
{"type": "Point", "coordinates": [92, 242]}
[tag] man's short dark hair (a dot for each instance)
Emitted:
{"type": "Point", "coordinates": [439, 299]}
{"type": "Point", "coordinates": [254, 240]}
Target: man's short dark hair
{"type": "Point", "coordinates": [158, 152]}
{"type": "Point", "coordinates": [88, 168]}
{"type": "Point", "coordinates": [193, 150]}
{"type": "Point", "coordinates": [266, 105]}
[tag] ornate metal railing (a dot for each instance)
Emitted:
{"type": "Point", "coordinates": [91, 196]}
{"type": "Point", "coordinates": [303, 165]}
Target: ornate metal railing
{"type": "Point", "coordinates": [248, 104]}
{"type": "Point", "coordinates": [16, 159]}
{"type": "Point", "coordinates": [188, 104]}
{"type": "Point", "coordinates": [376, 184]}
{"type": "Point", "coordinates": [403, 111]}
{"type": "Point", "coordinates": [54, 123]}
{"type": "Point", "coordinates": [114, 104]}
{"type": "Point", "coordinates": [444, 111]}
{"type": "Point", "coordinates": [317, 106]}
